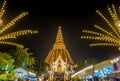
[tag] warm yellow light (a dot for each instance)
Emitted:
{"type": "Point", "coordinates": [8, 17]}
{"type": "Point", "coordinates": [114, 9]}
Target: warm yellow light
{"type": "Point", "coordinates": [12, 35]}
{"type": "Point", "coordinates": [1, 22]}
{"type": "Point", "coordinates": [106, 37]}
{"type": "Point", "coordinates": [117, 23]}
{"type": "Point", "coordinates": [83, 70]}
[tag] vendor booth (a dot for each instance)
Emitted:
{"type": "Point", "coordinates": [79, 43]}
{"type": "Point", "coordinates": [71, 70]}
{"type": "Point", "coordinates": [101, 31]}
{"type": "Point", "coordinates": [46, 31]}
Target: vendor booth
{"type": "Point", "coordinates": [20, 73]}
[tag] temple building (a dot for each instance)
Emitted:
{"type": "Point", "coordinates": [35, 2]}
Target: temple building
{"type": "Point", "coordinates": [59, 58]}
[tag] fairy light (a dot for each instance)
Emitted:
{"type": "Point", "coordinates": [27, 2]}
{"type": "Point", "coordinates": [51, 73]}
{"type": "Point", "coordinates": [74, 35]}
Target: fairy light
{"type": "Point", "coordinates": [117, 23]}
{"type": "Point", "coordinates": [105, 37]}
{"type": "Point", "coordinates": [15, 34]}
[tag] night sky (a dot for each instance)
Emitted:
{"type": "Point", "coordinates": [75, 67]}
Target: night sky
{"type": "Point", "coordinates": [45, 16]}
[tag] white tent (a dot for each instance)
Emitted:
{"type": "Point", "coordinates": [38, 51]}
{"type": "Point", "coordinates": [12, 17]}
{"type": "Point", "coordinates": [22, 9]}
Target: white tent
{"type": "Point", "coordinates": [20, 70]}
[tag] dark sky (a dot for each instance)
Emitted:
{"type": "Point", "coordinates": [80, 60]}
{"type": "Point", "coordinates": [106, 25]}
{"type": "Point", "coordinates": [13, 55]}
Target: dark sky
{"type": "Point", "coordinates": [45, 16]}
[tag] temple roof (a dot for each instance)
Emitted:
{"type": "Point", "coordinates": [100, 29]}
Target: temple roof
{"type": "Point", "coordinates": [59, 49]}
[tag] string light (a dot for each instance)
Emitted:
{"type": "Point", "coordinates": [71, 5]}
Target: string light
{"type": "Point", "coordinates": [105, 36]}
{"type": "Point", "coordinates": [12, 35]}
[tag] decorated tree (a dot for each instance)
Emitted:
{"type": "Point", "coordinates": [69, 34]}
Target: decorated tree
{"type": "Point", "coordinates": [13, 35]}
{"type": "Point", "coordinates": [109, 33]}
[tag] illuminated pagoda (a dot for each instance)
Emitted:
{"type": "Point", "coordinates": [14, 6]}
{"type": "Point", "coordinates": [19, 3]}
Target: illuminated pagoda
{"type": "Point", "coordinates": [59, 58]}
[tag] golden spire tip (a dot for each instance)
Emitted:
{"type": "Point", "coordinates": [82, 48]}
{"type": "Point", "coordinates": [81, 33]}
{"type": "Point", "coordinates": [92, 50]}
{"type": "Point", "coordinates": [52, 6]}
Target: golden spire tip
{"type": "Point", "coordinates": [59, 26]}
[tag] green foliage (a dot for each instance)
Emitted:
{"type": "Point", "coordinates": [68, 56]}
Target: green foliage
{"type": "Point", "coordinates": [90, 61]}
{"type": "Point", "coordinates": [80, 64]}
{"type": "Point", "coordinates": [41, 67]}
{"type": "Point", "coordinates": [85, 62]}
{"type": "Point", "coordinates": [77, 78]}
{"type": "Point", "coordinates": [6, 59]}
{"type": "Point", "coordinates": [23, 58]}
{"type": "Point", "coordinates": [6, 77]}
